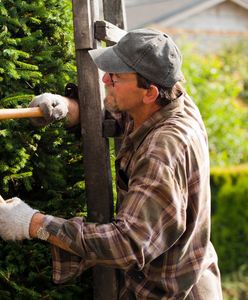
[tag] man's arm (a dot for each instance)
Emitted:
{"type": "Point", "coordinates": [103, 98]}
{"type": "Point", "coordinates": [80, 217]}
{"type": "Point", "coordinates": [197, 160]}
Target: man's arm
{"type": "Point", "coordinates": [56, 107]}
{"type": "Point", "coordinates": [19, 221]}
{"type": "Point", "coordinates": [154, 201]}
{"type": "Point", "coordinates": [37, 221]}
{"type": "Point", "coordinates": [73, 115]}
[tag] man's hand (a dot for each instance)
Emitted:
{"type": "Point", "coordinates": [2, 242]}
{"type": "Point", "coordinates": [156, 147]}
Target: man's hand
{"type": "Point", "coordinates": [53, 106]}
{"type": "Point", "coordinates": [15, 218]}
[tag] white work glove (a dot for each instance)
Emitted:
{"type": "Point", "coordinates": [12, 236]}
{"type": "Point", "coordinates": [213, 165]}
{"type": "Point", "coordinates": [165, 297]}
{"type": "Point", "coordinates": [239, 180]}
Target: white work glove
{"type": "Point", "coordinates": [53, 106]}
{"type": "Point", "coordinates": [15, 218]}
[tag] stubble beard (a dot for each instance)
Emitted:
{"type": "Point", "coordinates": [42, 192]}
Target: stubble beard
{"type": "Point", "coordinates": [110, 104]}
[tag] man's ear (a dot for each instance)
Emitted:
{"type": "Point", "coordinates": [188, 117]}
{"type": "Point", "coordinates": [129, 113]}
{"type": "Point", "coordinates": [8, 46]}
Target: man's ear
{"type": "Point", "coordinates": [151, 94]}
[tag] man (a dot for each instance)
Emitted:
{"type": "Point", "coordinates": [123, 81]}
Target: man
{"type": "Point", "coordinates": [160, 238]}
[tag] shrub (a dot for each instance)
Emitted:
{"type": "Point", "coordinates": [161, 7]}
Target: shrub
{"type": "Point", "coordinates": [229, 216]}
{"type": "Point", "coordinates": [41, 166]}
{"type": "Point", "coordinates": [235, 285]}
{"type": "Point", "coordinates": [215, 82]}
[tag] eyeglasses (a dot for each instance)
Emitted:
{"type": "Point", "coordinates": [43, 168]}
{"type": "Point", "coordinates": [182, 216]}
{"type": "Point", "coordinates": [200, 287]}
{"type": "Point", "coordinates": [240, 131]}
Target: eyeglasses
{"type": "Point", "coordinates": [115, 81]}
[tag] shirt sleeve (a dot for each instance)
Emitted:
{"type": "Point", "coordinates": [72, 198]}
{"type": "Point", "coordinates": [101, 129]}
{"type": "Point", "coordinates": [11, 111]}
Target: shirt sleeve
{"type": "Point", "coordinates": [150, 220]}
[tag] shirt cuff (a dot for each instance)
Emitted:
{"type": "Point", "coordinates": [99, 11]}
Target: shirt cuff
{"type": "Point", "coordinates": [54, 226]}
{"type": "Point", "coordinates": [66, 266]}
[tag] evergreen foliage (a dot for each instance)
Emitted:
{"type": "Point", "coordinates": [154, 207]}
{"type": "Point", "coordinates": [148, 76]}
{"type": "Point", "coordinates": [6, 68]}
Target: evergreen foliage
{"type": "Point", "coordinates": [36, 52]}
{"type": "Point", "coordinates": [41, 166]}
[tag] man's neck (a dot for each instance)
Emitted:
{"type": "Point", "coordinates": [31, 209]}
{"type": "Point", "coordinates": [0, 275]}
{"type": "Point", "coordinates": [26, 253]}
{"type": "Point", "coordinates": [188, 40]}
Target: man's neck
{"type": "Point", "coordinates": [143, 115]}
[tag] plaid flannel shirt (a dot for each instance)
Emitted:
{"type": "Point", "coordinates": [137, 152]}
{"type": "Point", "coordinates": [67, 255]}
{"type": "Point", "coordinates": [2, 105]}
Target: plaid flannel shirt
{"type": "Point", "coordinates": [160, 238]}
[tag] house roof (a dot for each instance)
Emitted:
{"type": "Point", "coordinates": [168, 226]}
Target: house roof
{"type": "Point", "coordinates": [141, 13]}
{"type": "Point", "coordinates": [142, 2]}
{"type": "Point", "coordinates": [129, 3]}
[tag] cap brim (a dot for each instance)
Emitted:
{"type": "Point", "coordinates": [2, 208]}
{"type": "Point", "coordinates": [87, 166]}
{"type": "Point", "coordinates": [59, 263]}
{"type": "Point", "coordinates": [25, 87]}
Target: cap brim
{"type": "Point", "coordinates": [108, 61]}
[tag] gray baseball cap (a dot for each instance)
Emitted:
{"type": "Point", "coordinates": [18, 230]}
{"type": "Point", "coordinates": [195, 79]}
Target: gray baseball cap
{"type": "Point", "coordinates": [151, 53]}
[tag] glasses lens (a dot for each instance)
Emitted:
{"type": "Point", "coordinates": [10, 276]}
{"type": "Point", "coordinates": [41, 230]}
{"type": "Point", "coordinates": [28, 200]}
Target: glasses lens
{"type": "Point", "coordinates": [111, 78]}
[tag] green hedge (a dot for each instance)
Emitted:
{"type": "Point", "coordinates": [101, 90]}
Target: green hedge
{"type": "Point", "coordinates": [229, 216]}
{"type": "Point", "coordinates": [42, 166]}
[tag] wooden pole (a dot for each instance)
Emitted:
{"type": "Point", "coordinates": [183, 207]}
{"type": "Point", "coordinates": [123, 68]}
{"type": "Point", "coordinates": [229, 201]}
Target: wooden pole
{"type": "Point", "coordinates": [114, 12]}
{"type": "Point", "coordinates": [16, 113]}
{"type": "Point", "coordinates": [95, 148]}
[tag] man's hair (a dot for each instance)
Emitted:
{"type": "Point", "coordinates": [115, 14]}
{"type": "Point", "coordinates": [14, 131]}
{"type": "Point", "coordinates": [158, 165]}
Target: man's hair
{"type": "Point", "coordinates": [166, 94]}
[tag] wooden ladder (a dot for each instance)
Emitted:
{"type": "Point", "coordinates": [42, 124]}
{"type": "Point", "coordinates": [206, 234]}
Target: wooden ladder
{"type": "Point", "coordinates": [94, 22]}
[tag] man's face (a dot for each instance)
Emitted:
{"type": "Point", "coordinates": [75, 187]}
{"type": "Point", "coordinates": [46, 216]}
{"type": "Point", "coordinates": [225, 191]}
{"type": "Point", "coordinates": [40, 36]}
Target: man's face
{"type": "Point", "coordinates": [122, 93]}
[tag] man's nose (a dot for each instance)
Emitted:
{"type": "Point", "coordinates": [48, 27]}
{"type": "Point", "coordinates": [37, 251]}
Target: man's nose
{"type": "Point", "coordinates": [106, 79]}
